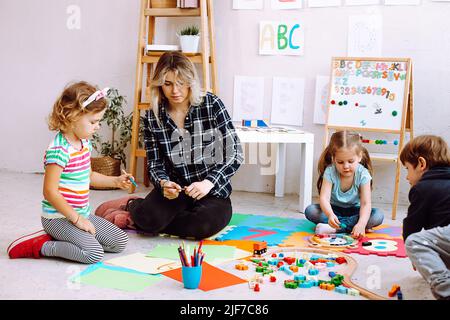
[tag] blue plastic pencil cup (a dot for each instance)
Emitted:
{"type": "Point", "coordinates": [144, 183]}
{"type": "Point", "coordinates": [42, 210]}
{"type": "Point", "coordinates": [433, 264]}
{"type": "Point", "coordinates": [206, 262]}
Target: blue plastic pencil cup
{"type": "Point", "coordinates": [191, 276]}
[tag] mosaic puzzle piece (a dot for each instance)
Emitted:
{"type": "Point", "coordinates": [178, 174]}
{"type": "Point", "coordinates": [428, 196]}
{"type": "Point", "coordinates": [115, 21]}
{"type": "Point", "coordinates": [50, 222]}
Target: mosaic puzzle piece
{"type": "Point", "coordinates": [296, 239]}
{"type": "Point", "coordinates": [273, 237]}
{"type": "Point", "coordinates": [262, 221]}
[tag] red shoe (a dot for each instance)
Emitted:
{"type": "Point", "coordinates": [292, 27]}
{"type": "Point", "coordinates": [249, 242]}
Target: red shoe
{"type": "Point", "coordinates": [28, 246]}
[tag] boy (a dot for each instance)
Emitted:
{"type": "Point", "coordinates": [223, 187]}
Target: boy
{"type": "Point", "coordinates": [427, 159]}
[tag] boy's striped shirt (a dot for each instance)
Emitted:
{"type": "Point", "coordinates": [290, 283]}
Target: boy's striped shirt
{"type": "Point", "coordinates": [75, 178]}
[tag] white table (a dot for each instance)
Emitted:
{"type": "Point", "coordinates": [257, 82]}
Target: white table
{"type": "Point", "coordinates": [306, 141]}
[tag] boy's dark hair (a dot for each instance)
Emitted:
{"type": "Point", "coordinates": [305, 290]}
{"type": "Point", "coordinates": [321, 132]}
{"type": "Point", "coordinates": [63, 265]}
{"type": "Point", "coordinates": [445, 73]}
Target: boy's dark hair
{"type": "Point", "coordinates": [432, 148]}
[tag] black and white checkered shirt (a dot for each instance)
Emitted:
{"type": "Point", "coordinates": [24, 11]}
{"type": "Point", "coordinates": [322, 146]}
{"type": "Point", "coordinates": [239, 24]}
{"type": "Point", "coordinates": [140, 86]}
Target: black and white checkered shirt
{"type": "Point", "coordinates": [207, 148]}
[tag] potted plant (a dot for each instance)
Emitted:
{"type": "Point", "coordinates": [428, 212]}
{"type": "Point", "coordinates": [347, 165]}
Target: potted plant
{"type": "Point", "coordinates": [189, 39]}
{"type": "Point", "coordinates": [112, 151]}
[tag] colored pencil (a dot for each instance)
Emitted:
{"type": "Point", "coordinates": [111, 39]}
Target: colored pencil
{"type": "Point", "coordinates": [130, 178]}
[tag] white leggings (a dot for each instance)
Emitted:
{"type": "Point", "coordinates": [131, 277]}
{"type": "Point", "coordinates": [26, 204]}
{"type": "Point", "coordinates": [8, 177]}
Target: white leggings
{"type": "Point", "coordinates": [75, 244]}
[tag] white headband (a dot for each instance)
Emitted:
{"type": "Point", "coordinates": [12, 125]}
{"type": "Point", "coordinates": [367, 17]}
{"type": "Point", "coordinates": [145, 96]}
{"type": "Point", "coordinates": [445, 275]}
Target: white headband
{"type": "Point", "coordinates": [97, 95]}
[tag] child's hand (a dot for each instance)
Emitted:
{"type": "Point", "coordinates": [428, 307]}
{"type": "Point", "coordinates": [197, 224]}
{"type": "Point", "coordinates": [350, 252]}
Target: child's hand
{"type": "Point", "coordinates": [333, 221]}
{"type": "Point", "coordinates": [198, 190]}
{"type": "Point", "coordinates": [171, 190]}
{"type": "Point", "coordinates": [85, 225]}
{"type": "Point", "coordinates": [358, 231]}
{"type": "Point", "coordinates": [123, 182]}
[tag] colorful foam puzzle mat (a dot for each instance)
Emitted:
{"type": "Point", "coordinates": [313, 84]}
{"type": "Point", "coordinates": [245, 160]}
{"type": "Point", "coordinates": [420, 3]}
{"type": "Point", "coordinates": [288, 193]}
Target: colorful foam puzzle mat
{"type": "Point", "coordinates": [287, 232]}
{"type": "Point", "coordinates": [381, 247]}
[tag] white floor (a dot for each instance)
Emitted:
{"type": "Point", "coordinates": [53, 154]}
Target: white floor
{"type": "Point", "coordinates": [20, 196]}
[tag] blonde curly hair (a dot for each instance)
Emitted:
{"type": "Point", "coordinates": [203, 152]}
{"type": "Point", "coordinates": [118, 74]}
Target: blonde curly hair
{"type": "Point", "coordinates": [68, 107]}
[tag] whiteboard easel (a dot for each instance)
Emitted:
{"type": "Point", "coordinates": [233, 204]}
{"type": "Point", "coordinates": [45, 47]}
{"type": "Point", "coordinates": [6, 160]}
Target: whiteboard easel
{"type": "Point", "coordinates": [354, 105]}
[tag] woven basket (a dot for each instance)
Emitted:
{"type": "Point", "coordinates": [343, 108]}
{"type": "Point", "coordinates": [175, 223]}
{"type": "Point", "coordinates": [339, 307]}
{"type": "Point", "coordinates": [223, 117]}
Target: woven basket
{"type": "Point", "coordinates": [107, 166]}
{"type": "Point", "coordinates": [163, 3]}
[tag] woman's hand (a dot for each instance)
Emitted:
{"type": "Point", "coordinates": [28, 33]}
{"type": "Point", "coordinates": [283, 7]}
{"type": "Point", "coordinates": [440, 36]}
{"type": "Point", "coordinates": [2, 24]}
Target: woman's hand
{"type": "Point", "coordinates": [171, 190]}
{"type": "Point", "coordinates": [198, 190]}
{"type": "Point", "coordinates": [85, 225]}
{"type": "Point", "coordinates": [358, 231]}
{"type": "Point", "coordinates": [333, 221]}
{"type": "Point", "coordinates": [124, 181]}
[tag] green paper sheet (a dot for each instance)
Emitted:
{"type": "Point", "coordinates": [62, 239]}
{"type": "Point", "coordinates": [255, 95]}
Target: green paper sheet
{"type": "Point", "coordinates": [213, 254]}
{"type": "Point", "coordinates": [114, 279]}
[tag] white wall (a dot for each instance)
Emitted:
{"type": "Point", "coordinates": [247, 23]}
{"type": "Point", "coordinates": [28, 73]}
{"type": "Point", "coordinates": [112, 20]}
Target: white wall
{"type": "Point", "coordinates": [39, 55]}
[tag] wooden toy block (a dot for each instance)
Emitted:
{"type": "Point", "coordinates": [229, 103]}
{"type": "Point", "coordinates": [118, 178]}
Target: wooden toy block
{"type": "Point", "coordinates": [341, 260]}
{"type": "Point", "coordinates": [241, 267]}
{"type": "Point", "coordinates": [341, 289]}
{"type": "Point", "coordinates": [291, 284]}
{"type": "Point", "coordinates": [289, 260]}
{"type": "Point", "coordinates": [294, 268]}
{"type": "Point", "coordinates": [299, 277]}
{"type": "Point", "coordinates": [313, 272]}
{"type": "Point", "coordinates": [352, 292]}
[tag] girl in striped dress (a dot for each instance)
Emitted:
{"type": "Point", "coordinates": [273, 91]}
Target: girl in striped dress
{"type": "Point", "coordinates": [70, 230]}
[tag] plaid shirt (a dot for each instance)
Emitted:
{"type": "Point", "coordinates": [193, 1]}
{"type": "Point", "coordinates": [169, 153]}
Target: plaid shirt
{"type": "Point", "coordinates": [207, 147]}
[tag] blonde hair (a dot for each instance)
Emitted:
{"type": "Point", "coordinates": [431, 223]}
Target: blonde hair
{"type": "Point", "coordinates": [433, 149]}
{"type": "Point", "coordinates": [184, 69]}
{"type": "Point", "coordinates": [343, 139]}
{"type": "Point", "coordinates": [68, 106]}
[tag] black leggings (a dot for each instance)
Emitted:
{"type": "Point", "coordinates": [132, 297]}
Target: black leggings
{"type": "Point", "coordinates": [183, 216]}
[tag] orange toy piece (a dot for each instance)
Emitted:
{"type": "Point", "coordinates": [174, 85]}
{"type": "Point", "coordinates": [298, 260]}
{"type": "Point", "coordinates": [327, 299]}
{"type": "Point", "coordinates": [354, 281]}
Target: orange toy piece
{"type": "Point", "coordinates": [327, 286]}
{"type": "Point", "coordinates": [241, 266]}
{"type": "Point", "coordinates": [259, 248]}
{"type": "Point", "coordinates": [394, 290]}
{"type": "Point", "coordinates": [294, 268]}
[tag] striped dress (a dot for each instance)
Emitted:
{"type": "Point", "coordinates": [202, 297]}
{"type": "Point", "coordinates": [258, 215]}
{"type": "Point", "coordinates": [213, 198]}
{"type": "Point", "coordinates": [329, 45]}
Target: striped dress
{"type": "Point", "coordinates": [75, 178]}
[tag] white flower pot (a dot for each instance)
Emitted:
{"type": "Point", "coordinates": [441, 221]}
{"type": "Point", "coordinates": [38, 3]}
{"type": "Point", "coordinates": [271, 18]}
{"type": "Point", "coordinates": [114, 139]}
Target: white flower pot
{"type": "Point", "coordinates": [189, 44]}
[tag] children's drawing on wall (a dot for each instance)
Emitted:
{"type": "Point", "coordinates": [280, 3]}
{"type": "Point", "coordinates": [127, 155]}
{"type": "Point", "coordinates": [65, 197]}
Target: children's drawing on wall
{"type": "Point", "coordinates": [281, 38]}
{"type": "Point", "coordinates": [320, 102]}
{"type": "Point", "coordinates": [287, 101]}
{"type": "Point", "coordinates": [248, 99]}
{"type": "Point", "coordinates": [286, 4]}
{"type": "Point", "coordinates": [248, 4]}
{"type": "Point", "coordinates": [323, 3]}
{"type": "Point", "coordinates": [364, 36]}
{"type": "Point", "coordinates": [402, 2]}
{"type": "Point", "coordinates": [361, 2]}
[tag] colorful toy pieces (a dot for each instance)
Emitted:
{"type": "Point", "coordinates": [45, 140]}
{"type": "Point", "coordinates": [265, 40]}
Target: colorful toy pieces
{"type": "Point", "coordinates": [308, 264]}
{"type": "Point", "coordinates": [333, 241]}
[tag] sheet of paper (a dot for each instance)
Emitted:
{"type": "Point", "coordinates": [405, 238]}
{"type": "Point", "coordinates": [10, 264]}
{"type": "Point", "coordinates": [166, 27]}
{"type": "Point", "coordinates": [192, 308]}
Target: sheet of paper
{"type": "Point", "coordinates": [323, 3]}
{"type": "Point", "coordinates": [140, 262]}
{"type": "Point", "coordinates": [283, 4]}
{"type": "Point", "coordinates": [287, 101]}
{"type": "Point", "coordinates": [213, 254]}
{"type": "Point", "coordinates": [113, 277]}
{"type": "Point", "coordinates": [402, 2]}
{"type": "Point", "coordinates": [282, 38]}
{"type": "Point", "coordinates": [248, 4]}
{"type": "Point", "coordinates": [321, 97]}
{"type": "Point", "coordinates": [361, 2]}
{"type": "Point", "coordinates": [212, 277]}
{"type": "Point", "coordinates": [365, 33]}
{"type": "Point", "coordinates": [248, 99]}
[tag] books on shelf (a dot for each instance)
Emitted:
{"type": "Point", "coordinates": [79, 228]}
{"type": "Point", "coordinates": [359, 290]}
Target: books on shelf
{"type": "Point", "coordinates": [163, 47]}
{"type": "Point", "coordinates": [187, 3]}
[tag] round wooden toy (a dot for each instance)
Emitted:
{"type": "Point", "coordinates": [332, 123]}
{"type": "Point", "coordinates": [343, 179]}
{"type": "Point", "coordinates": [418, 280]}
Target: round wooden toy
{"type": "Point", "coordinates": [339, 240]}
